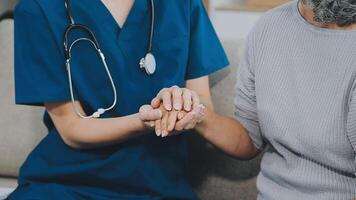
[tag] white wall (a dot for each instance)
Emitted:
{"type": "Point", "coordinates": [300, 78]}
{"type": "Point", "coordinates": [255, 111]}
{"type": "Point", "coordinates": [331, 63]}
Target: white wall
{"type": "Point", "coordinates": [232, 24]}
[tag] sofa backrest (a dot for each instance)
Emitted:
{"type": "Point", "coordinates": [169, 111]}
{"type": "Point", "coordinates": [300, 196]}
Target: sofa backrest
{"type": "Point", "coordinates": [21, 126]}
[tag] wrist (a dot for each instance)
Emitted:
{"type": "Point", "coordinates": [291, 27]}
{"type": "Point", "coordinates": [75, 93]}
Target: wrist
{"type": "Point", "coordinates": [138, 123]}
{"type": "Point", "coordinates": [205, 125]}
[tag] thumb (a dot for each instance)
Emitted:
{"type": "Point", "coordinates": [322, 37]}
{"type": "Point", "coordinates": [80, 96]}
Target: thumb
{"type": "Point", "coordinates": [147, 113]}
{"type": "Point", "coordinates": [154, 115]}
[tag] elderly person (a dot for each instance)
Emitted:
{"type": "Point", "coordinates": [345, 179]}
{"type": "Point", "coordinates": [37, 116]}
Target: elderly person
{"type": "Point", "coordinates": [296, 94]}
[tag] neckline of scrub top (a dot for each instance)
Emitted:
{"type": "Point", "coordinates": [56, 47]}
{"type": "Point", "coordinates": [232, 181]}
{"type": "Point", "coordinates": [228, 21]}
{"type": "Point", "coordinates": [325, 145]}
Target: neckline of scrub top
{"type": "Point", "coordinates": [128, 14]}
{"type": "Point", "coordinates": [134, 20]}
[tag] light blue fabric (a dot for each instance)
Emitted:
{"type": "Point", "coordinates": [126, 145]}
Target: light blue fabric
{"type": "Point", "coordinates": [147, 167]}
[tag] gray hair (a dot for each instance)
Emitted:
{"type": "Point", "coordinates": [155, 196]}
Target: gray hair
{"type": "Point", "coordinates": [341, 12]}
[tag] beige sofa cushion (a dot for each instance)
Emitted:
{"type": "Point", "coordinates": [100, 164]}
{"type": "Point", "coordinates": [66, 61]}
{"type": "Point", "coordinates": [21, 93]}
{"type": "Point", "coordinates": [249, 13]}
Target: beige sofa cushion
{"type": "Point", "coordinates": [215, 175]}
{"type": "Point", "coordinates": [21, 126]}
{"type": "Point", "coordinates": [223, 87]}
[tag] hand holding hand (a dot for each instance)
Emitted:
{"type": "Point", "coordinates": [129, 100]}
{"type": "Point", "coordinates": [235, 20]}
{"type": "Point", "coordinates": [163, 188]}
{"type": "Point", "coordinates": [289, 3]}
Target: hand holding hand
{"type": "Point", "coordinates": [175, 122]}
{"type": "Point", "coordinates": [173, 111]}
{"type": "Point", "coordinates": [181, 110]}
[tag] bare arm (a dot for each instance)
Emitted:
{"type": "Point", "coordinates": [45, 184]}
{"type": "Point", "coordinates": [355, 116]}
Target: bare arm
{"type": "Point", "coordinates": [225, 133]}
{"type": "Point", "coordinates": [90, 133]}
{"type": "Point", "coordinates": [228, 135]}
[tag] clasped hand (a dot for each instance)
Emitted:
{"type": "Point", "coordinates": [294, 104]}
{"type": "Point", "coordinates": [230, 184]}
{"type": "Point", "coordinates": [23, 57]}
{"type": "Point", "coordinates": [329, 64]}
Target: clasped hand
{"type": "Point", "coordinates": [173, 111]}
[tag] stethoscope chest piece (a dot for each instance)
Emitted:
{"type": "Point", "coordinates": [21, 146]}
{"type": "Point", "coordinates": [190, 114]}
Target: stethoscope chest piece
{"type": "Point", "coordinates": [148, 63]}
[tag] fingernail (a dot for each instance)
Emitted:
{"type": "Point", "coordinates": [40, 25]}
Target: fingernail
{"type": "Point", "coordinates": [187, 108]}
{"type": "Point", "coordinates": [158, 133]}
{"type": "Point", "coordinates": [168, 107]}
{"type": "Point", "coordinates": [177, 106]}
{"type": "Point", "coordinates": [164, 133]}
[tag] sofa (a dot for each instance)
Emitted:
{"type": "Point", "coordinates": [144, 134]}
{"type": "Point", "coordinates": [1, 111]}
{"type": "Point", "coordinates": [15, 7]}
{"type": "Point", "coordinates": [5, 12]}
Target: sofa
{"type": "Point", "coordinates": [214, 175]}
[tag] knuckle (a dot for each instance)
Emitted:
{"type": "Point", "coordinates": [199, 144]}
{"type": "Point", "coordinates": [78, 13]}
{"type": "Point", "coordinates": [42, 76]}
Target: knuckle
{"type": "Point", "coordinates": [163, 91]}
{"type": "Point", "coordinates": [178, 128]}
{"type": "Point", "coordinates": [141, 109]}
{"type": "Point", "coordinates": [170, 128]}
{"type": "Point", "coordinates": [187, 94]}
{"type": "Point", "coordinates": [167, 99]}
{"type": "Point", "coordinates": [177, 91]}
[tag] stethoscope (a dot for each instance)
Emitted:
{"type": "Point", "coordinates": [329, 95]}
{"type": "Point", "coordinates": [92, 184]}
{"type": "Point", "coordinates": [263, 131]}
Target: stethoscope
{"type": "Point", "coordinates": [148, 62]}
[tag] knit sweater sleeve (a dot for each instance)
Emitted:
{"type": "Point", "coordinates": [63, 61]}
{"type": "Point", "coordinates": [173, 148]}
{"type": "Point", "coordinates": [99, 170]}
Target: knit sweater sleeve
{"type": "Point", "coordinates": [351, 120]}
{"type": "Point", "coordinates": [245, 99]}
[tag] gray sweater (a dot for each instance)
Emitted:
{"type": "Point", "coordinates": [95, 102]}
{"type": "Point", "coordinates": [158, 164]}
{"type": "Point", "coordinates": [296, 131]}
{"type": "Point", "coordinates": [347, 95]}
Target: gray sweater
{"type": "Point", "coordinates": [296, 94]}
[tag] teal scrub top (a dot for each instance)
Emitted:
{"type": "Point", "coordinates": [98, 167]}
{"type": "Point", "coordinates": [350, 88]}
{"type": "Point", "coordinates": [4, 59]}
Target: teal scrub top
{"type": "Point", "coordinates": [147, 167]}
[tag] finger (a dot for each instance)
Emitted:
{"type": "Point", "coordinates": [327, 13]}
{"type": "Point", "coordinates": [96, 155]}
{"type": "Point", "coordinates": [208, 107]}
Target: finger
{"type": "Point", "coordinates": [163, 96]}
{"type": "Point", "coordinates": [201, 111]}
{"type": "Point", "coordinates": [147, 113]}
{"type": "Point", "coordinates": [154, 115]}
{"type": "Point", "coordinates": [185, 121]}
{"type": "Point", "coordinates": [156, 102]}
{"type": "Point", "coordinates": [143, 111]}
{"type": "Point", "coordinates": [191, 118]}
{"type": "Point", "coordinates": [177, 98]}
{"type": "Point", "coordinates": [196, 99]}
{"type": "Point", "coordinates": [150, 124]}
{"type": "Point", "coordinates": [172, 119]}
{"type": "Point", "coordinates": [187, 100]}
{"type": "Point", "coordinates": [167, 99]}
{"type": "Point", "coordinates": [164, 123]}
{"type": "Point", "coordinates": [181, 115]}
{"type": "Point", "coordinates": [197, 116]}
{"type": "Point", "coordinates": [158, 128]}
{"type": "Point", "coordinates": [192, 123]}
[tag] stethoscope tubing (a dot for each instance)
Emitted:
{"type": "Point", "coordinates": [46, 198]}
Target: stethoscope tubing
{"type": "Point", "coordinates": [93, 41]}
{"type": "Point", "coordinates": [100, 111]}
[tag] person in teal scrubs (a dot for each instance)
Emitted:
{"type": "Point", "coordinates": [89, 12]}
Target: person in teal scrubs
{"type": "Point", "coordinates": [116, 156]}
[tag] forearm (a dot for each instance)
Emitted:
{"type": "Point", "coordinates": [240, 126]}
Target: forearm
{"type": "Point", "coordinates": [92, 133]}
{"type": "Point", "coordinates": [228, 135]}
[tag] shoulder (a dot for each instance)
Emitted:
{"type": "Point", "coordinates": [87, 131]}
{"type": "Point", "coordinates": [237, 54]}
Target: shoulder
{"type": "Point", "coordinates": [36, 7]}
{"type": "Point", "coordinates": [277, 15]}
{"type": "Point", "coordinates": [192, 4]}
{"type": "Point", "coordinates": [284, 9]}
{"type": "Point", "coordinates": [28, 6]}
{"type": "Point", "coordinates": [274, 20]}
{"type": "Point", "coordinates": [195, 4]}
